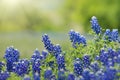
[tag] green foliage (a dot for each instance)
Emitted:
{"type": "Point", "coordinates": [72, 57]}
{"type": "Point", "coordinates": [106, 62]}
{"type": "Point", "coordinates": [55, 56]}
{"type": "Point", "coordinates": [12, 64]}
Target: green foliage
{"type": "Point", "coordinates": [79, 11]}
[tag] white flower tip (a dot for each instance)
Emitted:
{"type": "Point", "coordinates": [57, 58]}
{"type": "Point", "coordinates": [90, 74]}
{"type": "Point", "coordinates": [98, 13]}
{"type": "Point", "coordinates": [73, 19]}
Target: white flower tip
{"type": "Point", "coordinates": [45, 34]}
{"type": "Point", "coordinates": [94, 18]}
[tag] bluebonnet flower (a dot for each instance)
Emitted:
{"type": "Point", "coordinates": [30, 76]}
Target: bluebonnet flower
{"type": "Point", "coordinates": [53, 77]}
{"type": "Point", "coordinates": [110, 62]}
{"type": "Point", "coordinates": [114, 34]}
{"type": "Point", "coordinates": [115, 59]}
{"type": "Point", "coordinates": [78, 67]}
{"type": "Point", "coordinates": [104, 57]}
{"type": "Point", "coordinates": [26, 77]}
{"type": "Point", "coordinates": [47, 43]}
{"type": "Point", "coordinates": [21, 67]}
{"type": "Point", "coordinates": [36, 76]}
{"type": "Point", "coordinates": [111, 35]}
{"type": "Point", "coordinates": [112, 53]}
{"type": "Point", "coordinates": [54, 49]}
{"type": "Point", "coordinates": [107, 35]}
{"type": "Point", "coordinates": [36, 55]}
{"type": "Point", "coordinates": [36, 66]}
{"type": "Point", "coordinates": [36, 63]}
{"type": "Point", "coordinates": [4, 75]}
{"type": "Point", "coordinates": [86, 74]}
{"type": "Point", "coordinates": [97, 57]}
{"type": "Point", "coordinates": [92, 76]}
{"type": "Point", "coordinates": [47, 75]}
{"type": "Point", "coordinates": [57, 50]}
{"type": "Point", "coordinates": [44, 53]}
{"type": "Point", "coordinates": [95, 25]}
{"type": "Point", "coordinates": [86, 61]}
{"type": "Point", "coordinates": [95, 66]}
{"type": "Point", "coordinates": [61, 75]}
{"type": "Point", "coordinates": [61, 62]}
{"type": "Point", "coordinates": [76, 38]}
{"type": "Point", "coordinates": [71, 76]}
{"type": "Point", "coordinates": [110, 73]}
{"type": "Point", "coordinates": [100, 75]}
{"type": "Point", "coordinates": [11, 56]}
{"type": "Point", "coordinates": [118, 52]}
{"type": "Point", "coordinates": [118, 59]}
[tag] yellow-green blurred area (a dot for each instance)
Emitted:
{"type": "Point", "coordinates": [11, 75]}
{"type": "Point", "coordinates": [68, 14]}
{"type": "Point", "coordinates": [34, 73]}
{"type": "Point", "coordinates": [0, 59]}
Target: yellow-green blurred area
{"type": "Point", "coordinates": [22, 22]}
{"type": "Point", "coordinates": [57, 15]}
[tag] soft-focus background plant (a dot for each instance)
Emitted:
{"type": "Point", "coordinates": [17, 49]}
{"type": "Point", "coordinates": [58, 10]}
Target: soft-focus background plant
{"type": "Point", "coordinates": [22, 22]}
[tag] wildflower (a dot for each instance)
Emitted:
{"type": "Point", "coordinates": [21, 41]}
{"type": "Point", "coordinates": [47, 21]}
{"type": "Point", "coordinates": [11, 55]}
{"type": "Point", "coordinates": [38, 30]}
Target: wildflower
{"type": "Point", "coordinates": [95, 66]}
{"type": "Point", "coordinates": [53, 77]}
{"type": "Point", "coordinates": [114, 34]}
{"type": "Point", "coordinates": [11, 56]}
{"type": "Point", "coordinates": [36, 63]}
{"type": "Point", "coordinates": [26, 77]}
{"type": "Point", "coordinates": [76, 38]}
{"type": "Point", "coordinates": [61, 62]}
{"type": "Point", "coordinates": [36, 76]}
{"type": "Point", "coordinates": [104, 57]}
{"type": "Point", "coordinates": [61, 75]}
{"type": "Point", "coordinates": [36, 55]}
{"type": "Point", "coordinates": [95, 25]}
{"type": "Point", "coordinates": [110, 62]}
{"type": "Point", "coordinates": [54, 49]}
{"type": "Point", "coordinates": [111, 35]}
{"type": "Point", "coordinates": [86, 61]}
{"type": "Point", "coordinates": [36, 66]}
{"type": "Point", "coordinates": [110, 73]}
{"type": "Point", "coordinates": [86, 74]}
{"type": "Point", "coordinates": [111, 53]}
{"type": "Point", "coordinates": [71, 77]}
{"type": "Point", "coordinates": [47, 43]}
{"type": "Point", "coordinates": [47, 74]}
{"type": "Point", "coordinates": [4, 75]}
{"type": "Point", "coordinates": [100, 75]}
{"type": "Point", "coordinates": [118, 59]}
{"type": "Point", "coordinates": [92, 76]}
{"type": "Point", "coordinates": [57, 50]}
{"type": "Point", "coordinates": [21, 67]}
{"type": "Point", "coordinates": [44, 53]}
{"type": "Point", "coordinates": [78, 67]}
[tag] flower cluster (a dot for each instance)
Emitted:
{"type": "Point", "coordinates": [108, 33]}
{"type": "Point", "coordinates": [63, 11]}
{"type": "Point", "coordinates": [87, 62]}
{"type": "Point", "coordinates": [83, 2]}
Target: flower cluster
{"type": "Point", "coordinates": [76, 38]}
{"type": "Point", "coordinates": [26, 78]}
{"type": "Point", "coordinates": [86, 61]}
{"type": "Point", "coordinates": [96, 61]}
{"type": "Point", "coordinates": [61, 75]}
{"type": "Point", "coordinates": [47, 43]}
{"type": "Point", "coordinates": [55, 49]}
{"type": "Point", "coordinates": [104, 68]}
{"type": "Point", "coordinates": [48, 75]}
{"type": "Point", "coordinates": [71, 76]}
{"type": "Point", "coordinates": [110, 57]}
{"type": "Point", "coordinates": [11, 56]}
{"type": "Point", "coordinates": [21, 67]}
{"type": "Point", "coordinates": [61, 62]}
{"type": "Point", "coordinates": [111, 35]}
{"type": "Point", "coordinates": [95, 26]}
{"type": "Point", "coordinates": [4, 75]}
{"type": "Point", "coordinates": [78, 67]}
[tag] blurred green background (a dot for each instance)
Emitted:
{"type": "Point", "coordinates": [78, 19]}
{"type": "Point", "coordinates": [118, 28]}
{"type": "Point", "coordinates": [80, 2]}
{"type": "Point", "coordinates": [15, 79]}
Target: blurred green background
{"type": "Point", "coordinates": [22, 22]}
